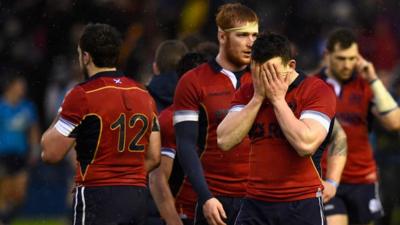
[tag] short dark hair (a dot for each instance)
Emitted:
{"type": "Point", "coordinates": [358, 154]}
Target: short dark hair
{"type": "Point", "coordinates": [342, 36]}
{"type": "Point", "coordinates": [270, 45]}
{"type": "Point", "coordinates": [168, 54]}
{"type": "Point", "coordinates": [102, 42]}
{"type": "Point", "coordinates": [188, 62]}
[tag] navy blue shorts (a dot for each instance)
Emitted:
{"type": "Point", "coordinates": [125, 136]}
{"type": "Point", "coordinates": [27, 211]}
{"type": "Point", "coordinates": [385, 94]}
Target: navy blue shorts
{"type": "Point", "coordinates": [231, 207]}
{"type": "Point", "coordinates": [360, 202]}
{"type": "Point", "coordinates": [302, 212]}
{"type": "Point", "coordinates": [12, 164]}
{"type": "Point", "coordinates": [110, 205]}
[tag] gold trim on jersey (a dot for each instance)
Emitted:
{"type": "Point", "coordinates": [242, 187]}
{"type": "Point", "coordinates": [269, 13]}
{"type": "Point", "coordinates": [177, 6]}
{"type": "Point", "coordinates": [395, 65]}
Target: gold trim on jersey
{"type": "Point", "coordinates": [114, 87]}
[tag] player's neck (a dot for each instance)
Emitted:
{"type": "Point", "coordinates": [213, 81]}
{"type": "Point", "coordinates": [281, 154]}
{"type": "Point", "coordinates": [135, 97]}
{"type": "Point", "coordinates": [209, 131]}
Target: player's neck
{"type": "Point", "coordinates": [223, 61]}
{"type": "Point", "coordinates": [92, 70]}
{"type": "Point", "coordinates": [330, 74]}
{"type": "Point", "coordinates": [293, 77]}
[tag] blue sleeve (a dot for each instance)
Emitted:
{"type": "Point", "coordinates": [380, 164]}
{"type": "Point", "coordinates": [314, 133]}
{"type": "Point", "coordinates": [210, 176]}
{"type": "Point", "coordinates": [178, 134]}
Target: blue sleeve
{"type": "Point", "coordinates": [186, 139]}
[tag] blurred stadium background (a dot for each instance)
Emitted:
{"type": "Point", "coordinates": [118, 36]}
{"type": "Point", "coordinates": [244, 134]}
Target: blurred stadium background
{"type": "Point", "coordinates": [38, 38]}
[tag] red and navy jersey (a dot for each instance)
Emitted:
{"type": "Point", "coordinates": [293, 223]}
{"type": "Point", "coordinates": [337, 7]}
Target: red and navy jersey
{"type": "Point", "coordinates": [111, 118]}
{"type": "Point", "coordinates": [185, 197]}
{"type": "Point", "coordinates": [277, 172]}
{"type": "Point", "coordinates": [204, 94]}
{"type": "Point", "coordinates": [353, 111]}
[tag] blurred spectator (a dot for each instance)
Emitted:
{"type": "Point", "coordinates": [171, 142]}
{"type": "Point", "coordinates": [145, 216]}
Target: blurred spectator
{"type": "Point", "coordinates": [19, 144]}
{"type": "Point", "coordinates": [162, 86]}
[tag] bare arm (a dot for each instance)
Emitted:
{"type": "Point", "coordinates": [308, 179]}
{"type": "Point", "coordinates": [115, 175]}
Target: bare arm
{"type": "Point", "coordinates": [386, 108]}
{"type": "Point", "coordinates": [236, 124]}
{"type": "Point", "coordinates": [337, 155]}
{"type": "Point", "coordinates": [161, 192]}
{"type": "Point", "coordinates": [55, 145]}
{"type": "Point", "coordinates": [390, 120]}
{"type": "Point", "coordinates": [304, 135]}
{"type": "Point", "coordinates": [153, 153]}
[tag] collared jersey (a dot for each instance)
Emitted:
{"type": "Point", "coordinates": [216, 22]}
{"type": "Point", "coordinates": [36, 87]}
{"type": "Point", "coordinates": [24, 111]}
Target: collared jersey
{"type": "Point", "coordinates": [277, 172]}
{"type": "Point", "coordinates": [185, 197]}
{"type": "Point", "coordinates": [204, 94]}
{"type": "Point", "coordinates": [353, 111]}
{"type": "Point", "coordinates": [111, 118]}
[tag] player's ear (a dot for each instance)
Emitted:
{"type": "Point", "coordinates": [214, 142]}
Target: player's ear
{"type": "Point", "coordinates": [156, 71]}
{"type": "Point", "coordinates": [292, 64]}
{"type": "Point", "coordinates": [222, 36]}
{"type": "Point", "coordinates": [86, 58]}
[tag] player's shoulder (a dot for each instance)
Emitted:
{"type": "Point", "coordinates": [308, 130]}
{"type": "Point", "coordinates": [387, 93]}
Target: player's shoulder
{"type": "Point", "coordinates": [315, 82]}
{"type": "Point", "coordinates": [198, 72]}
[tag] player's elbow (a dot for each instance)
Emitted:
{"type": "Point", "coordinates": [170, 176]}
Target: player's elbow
{"type": "Point", "coordinates": [305, 150]}
{"type": "Point", "coordinates": [50, 157]}
{"type": "Point", "coordinates": [223, 144]}
{"type": "Point", "coordinates": [152, 163]}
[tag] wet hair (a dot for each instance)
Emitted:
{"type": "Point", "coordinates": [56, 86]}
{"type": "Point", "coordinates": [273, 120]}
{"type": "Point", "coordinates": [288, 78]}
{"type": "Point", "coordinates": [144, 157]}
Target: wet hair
{"type": "Point", "coordinates": [344, 37]}
{"type": "Point", "coordinates": [231, 14]}
{"type": "Point", "coordinates": [189, 61]}
{"type": "Point", "coordinates": [271, 45]}
{"type": "Point", "coordinates": [168, 55]}
{"type": "Point", "coordinates": [102, 42]}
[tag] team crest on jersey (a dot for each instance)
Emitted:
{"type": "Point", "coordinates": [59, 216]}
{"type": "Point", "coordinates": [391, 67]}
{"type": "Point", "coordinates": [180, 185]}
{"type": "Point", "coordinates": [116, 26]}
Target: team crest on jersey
{"type": "Point", "coordinates": [117, 81]}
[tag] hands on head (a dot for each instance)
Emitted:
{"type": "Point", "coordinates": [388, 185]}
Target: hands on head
{"type": "Point", "coordinates": [269, 82]}
{"type": "Point", "coordinates": [366, 69]}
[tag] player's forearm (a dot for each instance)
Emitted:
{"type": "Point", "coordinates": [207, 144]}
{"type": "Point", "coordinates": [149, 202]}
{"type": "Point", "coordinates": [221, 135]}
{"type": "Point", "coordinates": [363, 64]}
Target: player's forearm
{"type": "Point", "coordinates": [303, 138]}
{"type": "Point", "coordinates": [337, 153]}
{"type": "Point", "coordinates": [386, 106]}
{"type": "Point", "coordinates": [186, 139]}
{"type": "Point", "coordinates": [391, 120]}
{"type": "Point", "coordinates": [163, 197]}
{"type": "Point", "coordinates": [335, 166]}
{"type": "Point", "coordinates": [54, 146]}
{"type": "Point", "coordinates": [236, 125]}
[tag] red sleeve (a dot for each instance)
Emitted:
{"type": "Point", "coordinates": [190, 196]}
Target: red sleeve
{"type": "Point", "coordinates": [187, 93]}
{"type": "Point", "coordinates": [74, 106]}
{"type": "Point", "coordinates": [167, 129]}
{"type": "Point", "coordinates": [319, 97]}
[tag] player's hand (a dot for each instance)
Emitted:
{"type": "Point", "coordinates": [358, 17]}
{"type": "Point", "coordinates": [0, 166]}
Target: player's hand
{"type": "Point", "coordinates": [257, 77]}
{"type": "Point", "coordinates": [214, 212]}
{"type": "Point", "coordinates": [329, 191]}
{"type": "Point", "coordinates": [365, 69]}
{"type": "Point", "coordinates": [276, 85]}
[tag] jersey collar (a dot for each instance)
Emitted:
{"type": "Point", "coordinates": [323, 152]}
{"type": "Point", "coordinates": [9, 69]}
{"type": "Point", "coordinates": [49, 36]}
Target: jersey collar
{"type": "Point", "coordinates": [297, 81]}
{"type": "Point", "coordinates": [107, 74]}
